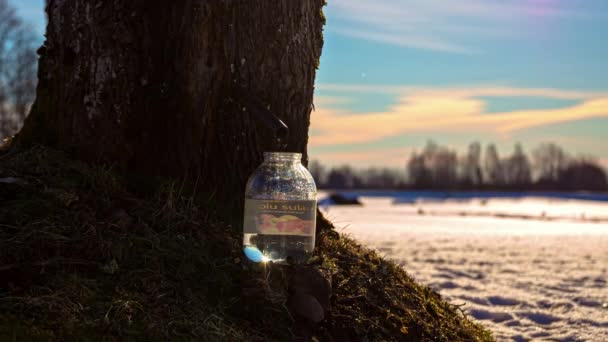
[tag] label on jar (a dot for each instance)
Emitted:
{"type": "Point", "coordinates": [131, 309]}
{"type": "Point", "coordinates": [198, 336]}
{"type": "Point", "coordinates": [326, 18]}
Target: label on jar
{"type": "Point", "coordinates": [280, 217]}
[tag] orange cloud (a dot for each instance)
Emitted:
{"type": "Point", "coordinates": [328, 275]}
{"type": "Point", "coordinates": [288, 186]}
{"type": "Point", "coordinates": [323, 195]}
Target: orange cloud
{"type": "Point", "coordinates": [388, 157]}
{"type": "Point", "coordinates": [446, 110]}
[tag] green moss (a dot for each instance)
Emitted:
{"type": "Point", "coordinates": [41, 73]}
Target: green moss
{"type": "Point", "coordinates": [322, 14]}
{"type": "Point", "coordinates": [82, 258]}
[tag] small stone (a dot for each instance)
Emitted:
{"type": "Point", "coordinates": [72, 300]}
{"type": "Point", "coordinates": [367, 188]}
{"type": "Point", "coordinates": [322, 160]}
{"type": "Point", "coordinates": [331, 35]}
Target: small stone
{"type": "Point", "coordinates": [111, 267]}
{"type": "Point", "coordinates": [313, 281]}
{"type": "Point", "coordinates": [121, 218]}
{"type": "Point", "coordinates": [308, 307]}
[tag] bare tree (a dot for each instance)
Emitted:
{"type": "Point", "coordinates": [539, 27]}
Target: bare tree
{"type": "Point", "coordinates": [517, 167]}
{"type": "Point", "coordinates": [549, 161]}
{"type": "Point", "coordinates": [418, 174]}
{"type": "Point", "coordinates": [442, 163]}
{"type": "Point", "coordinates": [317, 171]}
{"type": "Point", "coordinates": [434, 168]}
{"type": "Point", "coordinates": [17, 70]}
{"type": "Point", "coordinates": [342, 177]}
{"type": "Point", "coordinates": [493, 167]}
{"type": "Point", "coordinates": [471, 170]}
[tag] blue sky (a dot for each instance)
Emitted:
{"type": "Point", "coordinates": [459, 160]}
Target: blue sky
{"type": "Point", "coordinates": [395, 73]}
{"type": "Point", "coordinates": [32, 11]}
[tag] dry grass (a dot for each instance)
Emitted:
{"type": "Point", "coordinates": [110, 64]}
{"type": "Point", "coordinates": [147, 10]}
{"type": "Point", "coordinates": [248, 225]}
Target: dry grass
{"type": "Point", "coordinates": [82, 258]}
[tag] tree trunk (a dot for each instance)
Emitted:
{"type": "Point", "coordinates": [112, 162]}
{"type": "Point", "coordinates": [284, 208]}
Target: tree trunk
{"type": "Point", "coordinates": [149, 86]}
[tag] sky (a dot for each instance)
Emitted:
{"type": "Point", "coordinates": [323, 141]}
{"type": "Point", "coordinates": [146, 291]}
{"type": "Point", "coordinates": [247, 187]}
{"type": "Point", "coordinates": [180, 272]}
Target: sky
{"type": "Point", "coordinates": [396, 73]}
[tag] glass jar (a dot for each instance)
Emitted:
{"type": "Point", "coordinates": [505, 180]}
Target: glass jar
{"type": "Point", "coordinates": [280, 210]}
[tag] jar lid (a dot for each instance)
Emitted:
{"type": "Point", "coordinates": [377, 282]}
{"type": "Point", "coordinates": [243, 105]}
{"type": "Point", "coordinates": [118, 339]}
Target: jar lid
{"type": "Point", "coordinates": [282, 156]}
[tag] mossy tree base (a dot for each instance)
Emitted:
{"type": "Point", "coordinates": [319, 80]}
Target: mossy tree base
{"type": "Point", "coordinates": [82, 258]}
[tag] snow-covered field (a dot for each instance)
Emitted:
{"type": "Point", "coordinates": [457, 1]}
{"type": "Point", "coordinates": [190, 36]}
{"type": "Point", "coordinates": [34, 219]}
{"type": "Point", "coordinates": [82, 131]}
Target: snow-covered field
{"type": "Point", "coordinates": [528, 268]}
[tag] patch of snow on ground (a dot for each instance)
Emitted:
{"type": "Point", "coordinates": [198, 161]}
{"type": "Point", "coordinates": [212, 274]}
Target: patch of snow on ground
{"type": "Point", "coordinates": [525, 279]}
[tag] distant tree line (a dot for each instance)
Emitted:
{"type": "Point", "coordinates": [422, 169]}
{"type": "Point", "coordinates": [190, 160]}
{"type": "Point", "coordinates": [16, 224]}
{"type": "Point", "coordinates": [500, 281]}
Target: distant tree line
{"type": "Point", "coordinates": [346, 177]}
{"type": "Point", "coordinates": [440, 168]}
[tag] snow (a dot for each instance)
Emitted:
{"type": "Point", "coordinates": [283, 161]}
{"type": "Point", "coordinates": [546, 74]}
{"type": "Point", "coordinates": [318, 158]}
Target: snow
{"type": "Point", "coordinates": [530, 268]}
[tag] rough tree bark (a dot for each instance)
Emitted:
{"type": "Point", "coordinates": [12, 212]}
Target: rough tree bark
{"type": "Point", "coordinates": [147, 86]}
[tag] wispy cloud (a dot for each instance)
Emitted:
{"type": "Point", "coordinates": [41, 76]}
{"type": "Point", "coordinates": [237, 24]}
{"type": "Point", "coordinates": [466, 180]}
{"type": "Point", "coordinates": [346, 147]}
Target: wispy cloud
{"type": "Point", "coordinates": [406, 40]}
{"type": "Point", "coordinates": [447, 110]}
{"type": "Point", "coordinates": [438, 24]}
